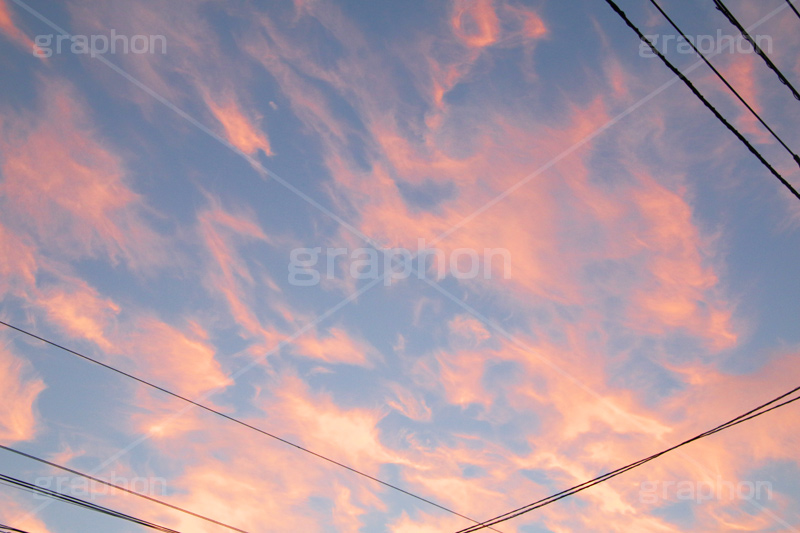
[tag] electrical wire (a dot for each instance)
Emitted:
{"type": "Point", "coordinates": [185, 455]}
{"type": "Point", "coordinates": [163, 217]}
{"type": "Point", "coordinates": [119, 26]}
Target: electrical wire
{"type": "Point", "coordinates": [725, 81]}
{"type": "Point", "coordinates": [106, 483]}
{"type": "Point", "coordinates": [791, 5]}
{"type": "Point", "coordinates": [8, 529]}
{"type": "Point", "coordinates": [30, 487]}
{"type": "Point", "coordinates": [703, 99]}
{"type": "Point", "coordinates": [236, 421]}
{"type": "Point", "coordinates": [753, 413]}
{"type": "Point", "coordinates": [725, 11]}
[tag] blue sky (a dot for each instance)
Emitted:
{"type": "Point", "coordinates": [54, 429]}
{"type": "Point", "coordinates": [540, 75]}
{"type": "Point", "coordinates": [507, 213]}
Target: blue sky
{"type": "Point", "coordinates": [643, 286]}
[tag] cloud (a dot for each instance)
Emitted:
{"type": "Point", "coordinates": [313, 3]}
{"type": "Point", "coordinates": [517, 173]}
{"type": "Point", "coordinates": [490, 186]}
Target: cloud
{"type": "Point", "coordinates": [68, 189]}
{"type": "Point", "coordinates": [532, 25]}
{"type": "Point", "coordinates": [182, 360]}
{"type": "Point", "coordinates": [81, 311]}
{"type": "Point", "coordinates": [741, 72]}
{"type": "Point", "coordinates": [228, 275]}
{"type": "Point", "coordinates": [678, 291]}
{"type": "Point", "coordinates": [613, 275]}
{"type": "Point", "coordinates": [204, 74]}
{"type": "Point", "coordinates": [266, 477]}
{"type": "Point", "coordinates": [475, 23]}
{"type": "Point", "coordinates": [350, 434]}
{"type": "Point", "coordinates": [16, 513]}
{"type": "Point", "coordinates": [18, 262]}
{"type": "Point", "coordinates": [405, 401]}
{"type": "Point", "coordinates": [427, 523]}
{"type": "Point", "coordinates": [19, 416]}
{"type": "Point", "coordinates": [335, 347]}
{"type": "Point", "coordinates": [11, 30]}
{"type": "Point", "coordinates": [240, 129]}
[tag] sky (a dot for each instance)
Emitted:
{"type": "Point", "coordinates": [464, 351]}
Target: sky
{"type": "Point", "coordinates": [481, 250]}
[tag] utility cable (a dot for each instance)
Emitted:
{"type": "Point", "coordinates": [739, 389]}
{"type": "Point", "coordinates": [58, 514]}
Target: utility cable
{"type": "Point", "coordinates": [791, 5]}
{"type": "Point", "coordinates": [728, 85]}
{"type": "Point", "coordinates": [725, 11]}
{"type": "Point", "coordinates": [106, 483]}
{"type": "Point", "coordinates": [8, 529]}
{"type": "Point", "coordinates": [753, 413]}
{"type": "Point", "coordinates": [30, 487]}
{"type": "Point", "coordinates": [703, 99]}
{"type": "Point", "coordinates": [236, 421]}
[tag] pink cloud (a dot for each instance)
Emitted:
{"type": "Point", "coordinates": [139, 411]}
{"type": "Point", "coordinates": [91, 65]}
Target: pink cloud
{"type": "Point", "coordinates": [476, 23]}
{"type": "Point", "coordinates": [408, 403]}
{"type": "Point", "coordinates": [81, 311]}
{"type": "Point", "coordinates": [546, 260]}
{"type": "Point", "coordinates": [18, 262]}
{"type": "Point", "coordinates": [741, 71]}
{"type": "Point", "coordinates": [268, 476]}
{"type": "Point", "coordinates": [227, 275]}
{"type": "Point", "coordinates": [10, 29]}
{"type": "Point", "coordinates": [68, 188]}
{"type": "Point", "coordinates": [679, 278]}
{"type": "Point", "coordinates": [349, 434]}
{"type": "Point", "coordinates": [461, 375]}
{"type": "Point", "coordinates": [18, 416]}
{"type": "Point", "coordinates": [532, 25]}
{"type": "Point", "coordinates": [194, 52]}
{"type": "Point", "coordinates": [427, 523]}
{"type": "Point", "coordinates": [183, 360]}
{"type": "Point", "coordinates": [240, 129]}
{"type": "Point", "coordinates": [559, 228]}
{"type": "Point", "coordinates": [17, 514]}
{"type": "Point", "coordinates": [335, 347]}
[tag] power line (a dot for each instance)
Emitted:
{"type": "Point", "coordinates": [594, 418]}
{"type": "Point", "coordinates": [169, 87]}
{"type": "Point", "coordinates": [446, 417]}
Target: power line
{"type": "Point", "coordinates": [236, 421]}
{"type": "Point", "coordinates": [106, 483]}
{"type": "Point", "coordinates": [8, 529]}
{"type": "Point", "coordinates": [703, 99]}
{"type": "Point", "coordinates": [753, 413]}
{"type": "Point", "coordinates": [725, 81]}
{"type": "Point", "coordinates": [791, 5]}
{"type": "Point", "coordinates": [725, 11]}
{"type": "Point", "coordinates": [30, 487]}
